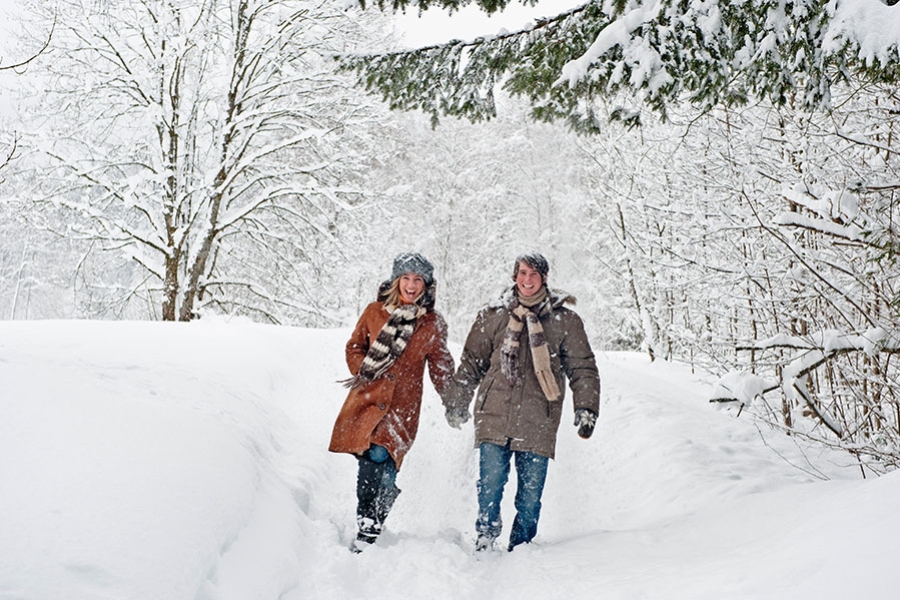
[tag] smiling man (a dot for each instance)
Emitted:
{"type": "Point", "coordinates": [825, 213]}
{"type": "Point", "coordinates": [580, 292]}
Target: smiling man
{"type": "Point", "coordinates": [518, 354]}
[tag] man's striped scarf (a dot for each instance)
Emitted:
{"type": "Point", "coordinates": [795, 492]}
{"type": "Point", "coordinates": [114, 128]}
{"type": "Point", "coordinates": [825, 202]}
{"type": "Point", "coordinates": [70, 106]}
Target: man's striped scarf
{"type": "Point", "coordinates": [388, 345]}
{"type": "Point", "coordinates": [509, 352]}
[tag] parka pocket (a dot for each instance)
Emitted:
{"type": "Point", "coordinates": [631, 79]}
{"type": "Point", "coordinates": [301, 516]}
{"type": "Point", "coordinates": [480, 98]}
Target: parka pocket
{"type": "Point", "coordinates": [483, 392]}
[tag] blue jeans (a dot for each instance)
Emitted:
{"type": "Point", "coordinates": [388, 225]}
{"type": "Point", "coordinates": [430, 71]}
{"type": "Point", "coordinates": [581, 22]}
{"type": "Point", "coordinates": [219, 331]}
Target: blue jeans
{"type": "Point", "coordinates": [376, 489]}
{"type": "Point", "coordinates": [531, 470]}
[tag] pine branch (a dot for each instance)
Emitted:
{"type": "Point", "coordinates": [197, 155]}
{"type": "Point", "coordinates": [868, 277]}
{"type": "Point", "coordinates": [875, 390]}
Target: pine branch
{"type": "Point", "coordinates": [709, 54]}
{"type": "Point", "coordinates": [459, 78]}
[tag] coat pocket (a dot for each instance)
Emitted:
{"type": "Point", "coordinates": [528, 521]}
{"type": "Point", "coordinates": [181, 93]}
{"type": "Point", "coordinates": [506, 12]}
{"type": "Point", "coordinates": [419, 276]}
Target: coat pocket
{"type": "Point", "coordinates": [481, 403]}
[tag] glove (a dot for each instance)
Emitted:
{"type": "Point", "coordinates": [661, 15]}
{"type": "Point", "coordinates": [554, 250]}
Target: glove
{"type": "Point", "coordinates": [585, 419]}
{"type": "Point", "coordinates": [457, 416]}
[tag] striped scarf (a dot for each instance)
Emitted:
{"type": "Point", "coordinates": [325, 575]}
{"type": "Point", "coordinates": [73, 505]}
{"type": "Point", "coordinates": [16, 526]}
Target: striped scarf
{"type": "Point", "coordinates": [519, 316]}
{"type": "Point", "coordinates": [388, 345]}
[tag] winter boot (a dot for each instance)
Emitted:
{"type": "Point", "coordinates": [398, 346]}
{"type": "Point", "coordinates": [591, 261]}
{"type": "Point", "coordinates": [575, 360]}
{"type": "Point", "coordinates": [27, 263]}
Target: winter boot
{"type": "Point", "coordinates": [367, 534]}
{"type": "Point", "coordinates": [371, 523]}
{"type": "Point", "coordinates": [384, 502]}
{"type": "Point", "coordinates": [375, 495]}
{"type": "Point", "coordinates": [367, 488]}
{"type": "Point", "coordinates": [484, 542]}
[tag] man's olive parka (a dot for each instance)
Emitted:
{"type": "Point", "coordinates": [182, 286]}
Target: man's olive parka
{"type": "Point", "coordinates": [521, 414]}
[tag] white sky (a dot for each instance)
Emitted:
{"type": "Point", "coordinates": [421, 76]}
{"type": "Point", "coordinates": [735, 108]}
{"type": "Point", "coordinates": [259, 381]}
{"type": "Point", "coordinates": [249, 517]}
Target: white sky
{"type": "Point", "coordinates": [435, 26]}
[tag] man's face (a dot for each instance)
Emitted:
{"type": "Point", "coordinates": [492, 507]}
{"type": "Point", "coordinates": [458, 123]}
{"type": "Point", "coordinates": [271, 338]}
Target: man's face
{"type": "Point", "coordinates": [528, 281]}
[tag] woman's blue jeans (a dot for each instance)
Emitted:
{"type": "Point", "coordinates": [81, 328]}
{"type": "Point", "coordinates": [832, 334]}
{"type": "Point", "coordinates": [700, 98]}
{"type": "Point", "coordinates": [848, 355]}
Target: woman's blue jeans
{"type": "Point", "coordinates": [376, 490]}
{"type": "Point", "coordinates": [531, 470]}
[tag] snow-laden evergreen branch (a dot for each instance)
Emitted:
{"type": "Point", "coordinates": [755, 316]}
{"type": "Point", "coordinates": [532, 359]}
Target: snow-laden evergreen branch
{"type": "Point", "coordinates": [709, 53]}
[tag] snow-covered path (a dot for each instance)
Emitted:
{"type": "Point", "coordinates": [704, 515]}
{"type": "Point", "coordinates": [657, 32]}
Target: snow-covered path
{"type": "Point", "coordinates": [149, 460]}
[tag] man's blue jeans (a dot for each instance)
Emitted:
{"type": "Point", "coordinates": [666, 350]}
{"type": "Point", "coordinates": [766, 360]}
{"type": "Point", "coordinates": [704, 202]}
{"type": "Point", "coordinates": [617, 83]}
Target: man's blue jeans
{"type": "Point", "coordinates": [531, 470]}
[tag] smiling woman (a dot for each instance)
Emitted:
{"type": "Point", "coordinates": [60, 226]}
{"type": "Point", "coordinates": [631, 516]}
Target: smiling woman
{"type": "Point", "coordinates": [387, 353]}
{"type": "Point", "coordinates": [411, 287]}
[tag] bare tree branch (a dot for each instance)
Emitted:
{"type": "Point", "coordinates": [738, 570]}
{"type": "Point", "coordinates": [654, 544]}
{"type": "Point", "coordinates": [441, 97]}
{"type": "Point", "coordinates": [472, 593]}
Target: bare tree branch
{"type": "Point", "coordinates": [10, 154]}
{"type": "Point", "coordinates": [36, 54]}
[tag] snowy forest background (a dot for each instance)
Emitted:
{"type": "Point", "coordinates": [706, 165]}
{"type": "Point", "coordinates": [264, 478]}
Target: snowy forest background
{"type": "Point", "coordinates": [174, 159]}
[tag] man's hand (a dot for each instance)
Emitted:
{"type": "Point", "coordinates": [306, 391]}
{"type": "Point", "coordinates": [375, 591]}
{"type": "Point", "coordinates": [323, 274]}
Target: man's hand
{"type": "Point", "coordinates": [585, 420]}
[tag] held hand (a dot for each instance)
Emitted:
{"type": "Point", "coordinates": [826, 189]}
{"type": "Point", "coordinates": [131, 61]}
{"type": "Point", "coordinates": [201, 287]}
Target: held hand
{"type": "Point", "coordinates": [585, 420]}
{"type": "Point", "coordinates": [456, 417]}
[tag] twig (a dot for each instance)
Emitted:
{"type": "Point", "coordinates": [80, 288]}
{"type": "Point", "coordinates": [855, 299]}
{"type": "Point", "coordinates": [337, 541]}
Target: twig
{"type": "Point", "coordinates": [36, 54]}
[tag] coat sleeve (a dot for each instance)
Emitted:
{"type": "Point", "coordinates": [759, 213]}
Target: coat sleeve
{"type": "Point", "coordinates": [473, 365]}
{"type": "Point", "coordinates": [580, 366]}
{"type": "Point", "coordinates": [440, 361]}
{"type": "Point", "coordinates": [358, 345]}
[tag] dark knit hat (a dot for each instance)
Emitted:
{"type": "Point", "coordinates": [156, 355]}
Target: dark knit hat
{"type": "Point", "coordinates": [535, 260]}
{"type": "Point", "coordinates": [413, 262]}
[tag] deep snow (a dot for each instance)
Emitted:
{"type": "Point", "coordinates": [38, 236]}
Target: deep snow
{"type": "Point", "coordinates": [180, 461]}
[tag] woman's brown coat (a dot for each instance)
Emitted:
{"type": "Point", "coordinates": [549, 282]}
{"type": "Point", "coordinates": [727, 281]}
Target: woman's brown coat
{"type": "Point", "coordinates": [386, 411]}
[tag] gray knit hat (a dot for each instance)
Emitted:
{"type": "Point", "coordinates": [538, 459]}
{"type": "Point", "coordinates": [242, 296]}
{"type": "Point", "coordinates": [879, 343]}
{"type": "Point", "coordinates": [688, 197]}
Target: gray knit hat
{"type": "Point", "coordinates": [413, 262]}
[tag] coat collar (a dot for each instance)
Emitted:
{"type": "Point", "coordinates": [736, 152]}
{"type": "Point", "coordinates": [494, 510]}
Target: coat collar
{"type": "Point", "coordinates": [558, 298]}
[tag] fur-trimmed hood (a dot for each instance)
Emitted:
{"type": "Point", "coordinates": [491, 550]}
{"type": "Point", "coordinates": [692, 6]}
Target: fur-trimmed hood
{"type": "Point", "coordinates": [558, 298]}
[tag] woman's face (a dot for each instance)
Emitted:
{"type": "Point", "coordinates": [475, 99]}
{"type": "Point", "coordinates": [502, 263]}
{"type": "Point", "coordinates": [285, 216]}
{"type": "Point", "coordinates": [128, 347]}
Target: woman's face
{"type": "Point", "coordinates": [528, 281]}
{"type": "Point", "coordinates": [411, 287]}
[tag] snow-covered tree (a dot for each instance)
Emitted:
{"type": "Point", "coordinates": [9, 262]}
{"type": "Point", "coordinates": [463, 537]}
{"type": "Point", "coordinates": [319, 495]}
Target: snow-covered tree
{"type": "Point", "coordinates": [472, 197]}
{"type": "Point", "coordinates": [209, 142]}
{"type": "Point", "coordinates": [766, 224]}
{"type": "Point", "coordinates": [835, 236]}
{"type": "Point", "coordinates": [9, 147]}
{"type": "Point", "coordinates": [4, 160]}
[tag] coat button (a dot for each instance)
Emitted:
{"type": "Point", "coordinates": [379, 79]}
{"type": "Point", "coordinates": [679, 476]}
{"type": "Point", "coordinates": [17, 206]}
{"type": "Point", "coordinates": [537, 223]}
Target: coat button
{"type": "Point", "coordinates": [381, 406]}
{"type": "Point", "coordinates": [391, 376]}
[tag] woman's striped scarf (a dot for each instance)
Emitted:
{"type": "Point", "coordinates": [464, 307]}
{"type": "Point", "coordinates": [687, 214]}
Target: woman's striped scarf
{"type": "Point", "coordinates": [388, 345]}
{"type": "Point", "coordinates": [519, 316]}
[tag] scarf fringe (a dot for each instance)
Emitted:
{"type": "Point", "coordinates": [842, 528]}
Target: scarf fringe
{"type": "Point", "coordinates": [353, 382]}
{"type": "Point", "coordinates": [548, 384]}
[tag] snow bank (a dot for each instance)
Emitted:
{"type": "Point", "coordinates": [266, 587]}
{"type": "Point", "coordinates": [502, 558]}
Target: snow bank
{"type": "Point", "coordinates": [149, 460]}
